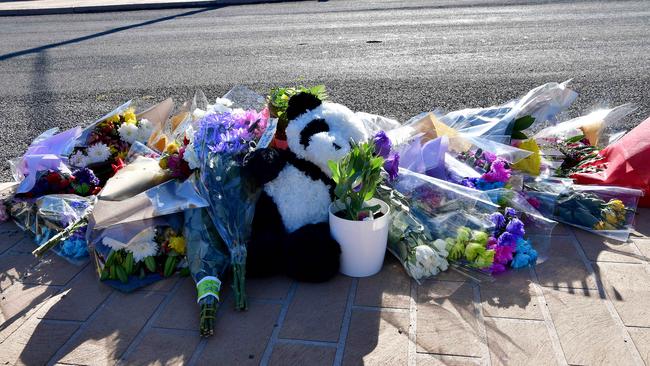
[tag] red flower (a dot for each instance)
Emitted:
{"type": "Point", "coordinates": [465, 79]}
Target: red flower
{"type": "Point", "coordinates": [119, 164]}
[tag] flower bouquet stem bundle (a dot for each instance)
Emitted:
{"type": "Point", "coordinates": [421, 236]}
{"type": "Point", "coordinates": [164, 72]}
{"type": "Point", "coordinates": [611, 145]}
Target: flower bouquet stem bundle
{"type": "Point", "coordinates": [208, 260]}
{"type": "Point", "coordinates": [222, 143]}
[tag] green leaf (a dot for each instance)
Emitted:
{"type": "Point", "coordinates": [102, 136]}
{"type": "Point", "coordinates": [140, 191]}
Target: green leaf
{"type": "Point", "coordinates": [121, 274]}
{"type": "Point", "coordinates": [150, 262]}
{"type": "Point", "coordinates": [128, 263]}
{"type": "Point", "coordinates": [523, 123]}
{"type": "Point", "coordinates": [518, 135]}
{"type": "Point", "coordinates": [574, 139]}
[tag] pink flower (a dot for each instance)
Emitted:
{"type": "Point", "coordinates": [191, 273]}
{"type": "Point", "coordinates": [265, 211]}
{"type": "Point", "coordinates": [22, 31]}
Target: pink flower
{"type": "Point", "coordinates": [490, 157]}
{"type": "Point", "coordinates": [498, 172]}
{"type": "Point", "coordinates": [503, 254]}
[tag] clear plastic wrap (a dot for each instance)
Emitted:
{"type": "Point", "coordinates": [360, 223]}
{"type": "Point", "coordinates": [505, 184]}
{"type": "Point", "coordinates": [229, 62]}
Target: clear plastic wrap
{"type": "Point", "coordinates": [49, 215]}
{"type": "Point", "coordinates": [592, 126]}
{"type": "Point", "coordinates": [606, 211]}
{"type": "Point", "coordinates": [427, 212]}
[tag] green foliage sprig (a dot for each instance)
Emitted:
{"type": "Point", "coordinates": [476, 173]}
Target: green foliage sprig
{"type": "Point", "coordinates": [357, 176]}
{"type": "Point", "coordinates": [278, 102]}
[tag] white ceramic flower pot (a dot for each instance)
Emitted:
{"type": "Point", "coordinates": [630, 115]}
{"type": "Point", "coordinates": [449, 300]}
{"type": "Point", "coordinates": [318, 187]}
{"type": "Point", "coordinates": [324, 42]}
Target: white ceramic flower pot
{"type": "Point", "coordinates": [363, 243]}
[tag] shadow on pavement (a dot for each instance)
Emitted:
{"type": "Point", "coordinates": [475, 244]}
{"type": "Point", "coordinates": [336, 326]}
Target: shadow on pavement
{"type": "Point", "coordinates": [28, 51]}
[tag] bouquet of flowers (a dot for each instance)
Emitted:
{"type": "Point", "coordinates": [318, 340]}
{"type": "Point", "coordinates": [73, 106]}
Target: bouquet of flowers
{"type": "Point", "coordinates": [82, 182]}
{"type": "Point", "coordinates": [623, 163]}
{"type": "Point", "coordinates": [221, 143]}
{"type": "Point", "coordinates": [507, 240]}
{"type": "Point", "coordinates": [144, 253]}
{"type": "Point", "coordinates": [606, 211]}
{"type": "Point", "coordinates": [437, 214]}
{"type": "Point", "coordinates": [53, 219]}
{"type": "Point", "coordinates": [495, 171]}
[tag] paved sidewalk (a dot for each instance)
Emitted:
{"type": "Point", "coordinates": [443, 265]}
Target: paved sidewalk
{"type": "Point", "coordinates": [37, 7]}
{"type": "Point", "coordinates": [587, 304]}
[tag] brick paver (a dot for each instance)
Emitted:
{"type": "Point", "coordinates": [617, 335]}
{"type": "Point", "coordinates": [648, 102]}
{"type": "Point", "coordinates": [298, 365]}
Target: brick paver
{"type": "Point", "coordinates": [585, 303]}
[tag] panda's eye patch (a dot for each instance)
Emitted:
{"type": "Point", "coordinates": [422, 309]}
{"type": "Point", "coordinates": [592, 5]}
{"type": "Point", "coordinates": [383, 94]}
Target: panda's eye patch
{"type": "Point", "coordinates": [312, 128]}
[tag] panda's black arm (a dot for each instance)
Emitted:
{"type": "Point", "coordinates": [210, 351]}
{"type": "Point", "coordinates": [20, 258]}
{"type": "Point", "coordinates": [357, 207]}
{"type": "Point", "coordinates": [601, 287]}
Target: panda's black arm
{"type": "Point", "coordinates": [264, 165]}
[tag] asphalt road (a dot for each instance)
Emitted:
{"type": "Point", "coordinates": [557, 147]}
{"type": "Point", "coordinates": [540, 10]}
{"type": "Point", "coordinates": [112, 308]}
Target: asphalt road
{"type": "Point", "coordinates": [396, 58]}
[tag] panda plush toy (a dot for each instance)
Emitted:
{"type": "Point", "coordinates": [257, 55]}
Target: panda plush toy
{"type": "Point", "coordinates": [291, 232]}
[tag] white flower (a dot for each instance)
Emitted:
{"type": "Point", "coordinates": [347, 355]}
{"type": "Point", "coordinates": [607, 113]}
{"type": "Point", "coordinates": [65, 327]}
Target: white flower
{"type": "Point", "coordinates": [220, 108]}
{"type": "Point", "coordinates": [441, 247]}
{"type": "Point", "coordinates": [79, 160]}
{"type": "Point", "coordinates": [425, 255]}
{"type": "Point", "coordinates": [189, 133]}
{"type": "Point", "coordinates": [145, 128]}
{"type": "Point", "coordinates": [190, 157]}
{"type": "Point", "coordinates": [98, 153]}
{"type": "Point", "coordinates": [224, 102]}
{"type": "Point", "coordinates": [113, 244]}
{"type": "Point", "coordinates": [142, 249]}
{"type": "Point", "coordinates": [238, 112]}
{"type": "Point", "coordinates": [128, 132]}
{"type": "Point", "coordinates": [198, 114]}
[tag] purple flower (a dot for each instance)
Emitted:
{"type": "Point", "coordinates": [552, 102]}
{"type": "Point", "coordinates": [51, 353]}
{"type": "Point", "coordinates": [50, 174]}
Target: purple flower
{"type": "Point", "coordinates": [516, 227]}
{"type": "Point", "coordinates": [497, 268]}
{"type": "Point", "coordinates": [498, 220]}
{"type": "Point", "coordinates": [490, 157]}
{"type": "Point", "coordinates": [85, 175]}
{"type": "Point", "coordinates": [391, 165]}
{"type": "Point", "coordinates": [507, 239]}
{"type": "Point", "coordinates": [503, 254]}
{"type": "Point", "coordinates": [492, 242]}
{"type": "Point", "coordinates": [382, 144]}
{"type": "Point", "coordinates": [510, 212]}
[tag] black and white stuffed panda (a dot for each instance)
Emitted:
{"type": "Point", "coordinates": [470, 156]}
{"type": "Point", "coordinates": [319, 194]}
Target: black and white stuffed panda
{"type": "Point", "coordinates": [290, 229]}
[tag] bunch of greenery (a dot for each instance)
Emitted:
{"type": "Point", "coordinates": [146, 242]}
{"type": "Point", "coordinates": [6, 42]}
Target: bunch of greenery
{"type": "Point", "coordinates": [278, 101]}
{"type": "Point", "coordinates": [357, 176]}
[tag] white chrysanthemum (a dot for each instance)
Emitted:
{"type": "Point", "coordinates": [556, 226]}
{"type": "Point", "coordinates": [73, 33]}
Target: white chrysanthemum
{"type": "Point", "coordinates": [98, 153]}
{"type": "Point", "coordinates": [190, 156]}
{"type": "Point", "coordinates": [142, 249]}
{"type": "Point", "coordinates": [128, 132]}
{"type": "Point", "coordinates": [79, 160]}
{"type": "Point", "coordinates": [113, 244]}
{"type": "Point", "coordinates": [145, 128]}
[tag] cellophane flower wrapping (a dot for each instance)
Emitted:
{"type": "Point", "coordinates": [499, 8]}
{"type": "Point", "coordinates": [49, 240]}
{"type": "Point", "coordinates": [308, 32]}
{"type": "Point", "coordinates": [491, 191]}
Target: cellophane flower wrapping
{"type": "Point", "coordinates": [222, 142]}
{"type": "Point", "coordinates": [603, 210]}
{"type": "Point", "coordinates": [623, 163]}
{"type": "Point", "coordinates": [49, 215]}
{"type": "Point", "coordinates": [135, 254]}
{"type": "Point", "coordinates": [538, 229]}
{"type": "Point", "coordinates": [427, 212]}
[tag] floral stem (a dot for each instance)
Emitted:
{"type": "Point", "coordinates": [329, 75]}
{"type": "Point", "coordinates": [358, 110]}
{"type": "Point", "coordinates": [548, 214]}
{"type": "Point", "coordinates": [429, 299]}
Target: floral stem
{"type": "Point", "coordinates": [208, 314]}
{"type": "Point", "coordinates": [63, 235]}
{"type": "Point", "coordinates": [239, 286]}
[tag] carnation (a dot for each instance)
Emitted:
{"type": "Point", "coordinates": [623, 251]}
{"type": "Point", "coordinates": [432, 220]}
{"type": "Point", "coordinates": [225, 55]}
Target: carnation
{"type": "Point", "coordinates": [98, 153]}
{"type": "Point", "coordinates": [145, 128]}
{"type": "Point", "coordinates": [128, 132]}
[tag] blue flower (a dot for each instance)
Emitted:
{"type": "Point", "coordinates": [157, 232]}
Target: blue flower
{"type": "Point", "coordinates": [510, 212]}
{"type": "Point", "coordinates": [507, 239]}
{"type": "Point", "coordinates": [520, 260]}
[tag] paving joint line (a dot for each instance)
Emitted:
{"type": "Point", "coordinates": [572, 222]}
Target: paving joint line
{"type": "Point", "coordinates": [149, 324]}
{"type": "Point", "coordinates": [268, 351]}
{"type": "Point", "coordinates": [548, 319]}
{"type": "Point", "coordinates": [379, 309]}
{"type": "Point", "coordinates": [482, 332]}
{"type": "Point", "coordinates": [631, 347]}
{"type": "Point", "coordinates": [413, 324]}
{"type": "Point", "coordinates": [306, 342]}
{"type": "Point", "coordinates": [345, 325]}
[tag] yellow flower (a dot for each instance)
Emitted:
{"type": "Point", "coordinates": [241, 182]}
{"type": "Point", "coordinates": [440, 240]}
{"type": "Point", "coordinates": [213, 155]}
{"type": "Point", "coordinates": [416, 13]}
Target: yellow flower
{"type": "Point", "coordinates": [178, 244]}
{"type": "Point", "coordinates": [122, 155]}
{"type": "Point", "coordinates": [172, 148]}
{"type": "Point", "coordinates": [114, 118]}
{"type": "Point", "coordinates": [610, 217]}
{"type": "Point", "coordinates": [532, 163]}
{"type": "Point", "coordinates": [163, 163]}
{"type": "Point", "coordinates": [599, 225]}
{"type": "Point", "coordinates": [617, 205]}
{"type": "Point", "coordinates": [129, 116]}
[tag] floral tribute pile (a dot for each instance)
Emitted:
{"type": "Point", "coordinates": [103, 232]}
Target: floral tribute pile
{"type": "Point", "coordinates": [163, 192]}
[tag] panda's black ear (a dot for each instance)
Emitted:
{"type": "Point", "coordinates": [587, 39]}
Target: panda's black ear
{"type": "Point", "coordinates": [301, 103]}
